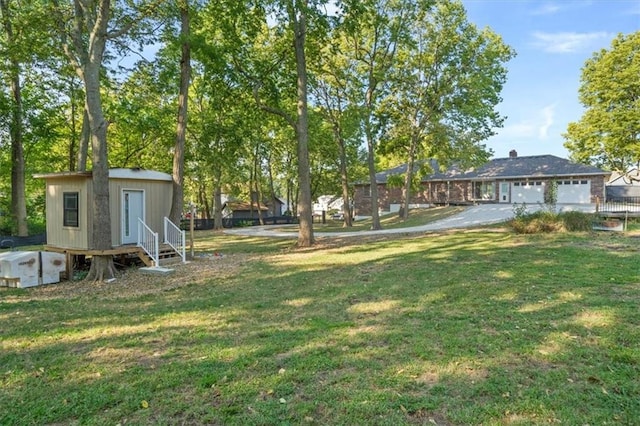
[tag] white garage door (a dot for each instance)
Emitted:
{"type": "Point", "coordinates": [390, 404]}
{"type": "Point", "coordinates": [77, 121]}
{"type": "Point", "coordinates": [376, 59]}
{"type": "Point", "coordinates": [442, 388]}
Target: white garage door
{"type": "Point", "coordinates": [574, 191]}
{"type": "Point", "coordinates": [527, 192]}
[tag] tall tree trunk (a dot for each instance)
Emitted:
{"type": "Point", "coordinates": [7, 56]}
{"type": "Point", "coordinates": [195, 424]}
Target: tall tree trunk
{"type": "Point", "coordinates": [204, 200]}
{"type": "Point", "coordinates": [344, 180]}
{"type": "Point", "coordinates": [85, 137]}
{"type": "Point", "coordinates": [18, 191]}
{"type": "Point", "coordinates": [217, 205]}
{"type": "Point", "coordinates": [255, 190]}
{"type": "Point", "coordinates": [408, 177]}
{"type": "Point", "coordinates": [88, 69]}
{"type": "Point", "coordinates": [344, 177]}
{"type": "Point", "coordinates": [371, 163]}
{"type": "Point", "coordinates": [73, 140]}
{"type": "Point", "coordinates": [102, 266]}
{"type": "Point", "coordinates": [272, 190]}
{"type": "Point", "coordinates": [18, 188]}
{"type": "Point", "coordinates": [305, 235]}
{"type": "Point", "coordinates": [178, 155]}
{"type": "Point", "coordinates": [334, 118]}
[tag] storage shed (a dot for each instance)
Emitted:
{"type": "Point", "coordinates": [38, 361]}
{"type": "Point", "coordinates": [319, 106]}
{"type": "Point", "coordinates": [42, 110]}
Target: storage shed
{"type": "Point", "coordinates": [133, 194]}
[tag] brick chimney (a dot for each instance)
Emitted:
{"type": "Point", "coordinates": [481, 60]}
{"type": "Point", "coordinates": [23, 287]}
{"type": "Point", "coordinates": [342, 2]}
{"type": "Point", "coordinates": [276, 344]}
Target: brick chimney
{"type": "Point", "coordinates": [513, 154]}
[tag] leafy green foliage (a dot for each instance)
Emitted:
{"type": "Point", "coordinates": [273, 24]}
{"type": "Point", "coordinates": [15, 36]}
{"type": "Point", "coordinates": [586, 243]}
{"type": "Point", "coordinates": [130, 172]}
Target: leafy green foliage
{"type": "Point", "coordinates": [608, 134]}
{"type": "Point", "coordinates": [551, 195]}
{"type": "Point", "coordinates": [444, 88]}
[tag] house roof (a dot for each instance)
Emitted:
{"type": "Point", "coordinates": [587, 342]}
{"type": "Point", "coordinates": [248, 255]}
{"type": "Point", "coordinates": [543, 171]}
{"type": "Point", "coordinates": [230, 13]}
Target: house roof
{"type": "Point", "coordinates": [243, 206]}
{"type": "Point", "coordinates": [536, 166]}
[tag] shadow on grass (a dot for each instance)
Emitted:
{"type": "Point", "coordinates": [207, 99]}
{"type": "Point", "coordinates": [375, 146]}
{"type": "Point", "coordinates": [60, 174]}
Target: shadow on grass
{"type": "Point", "coordinates": [457, 328]}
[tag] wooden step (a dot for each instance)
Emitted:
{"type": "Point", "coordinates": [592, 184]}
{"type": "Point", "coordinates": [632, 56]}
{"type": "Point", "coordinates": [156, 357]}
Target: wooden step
{"type": "Point", "coordinates": [166, 256]}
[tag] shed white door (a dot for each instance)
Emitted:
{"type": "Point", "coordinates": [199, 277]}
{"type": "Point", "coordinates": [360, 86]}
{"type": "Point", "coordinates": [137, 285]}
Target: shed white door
{"type": "Point", "coordinates": [574, 191]}
{"type": "Point", "coordinates": [527, 192]}
{"type": "Point", "coordinates": [132, 209]}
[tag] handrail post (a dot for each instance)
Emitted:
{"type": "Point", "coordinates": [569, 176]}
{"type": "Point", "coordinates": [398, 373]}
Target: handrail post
{"type": "Point", "coordinates": [148, 241]}
{"type": "Point", "coordinates": [175, 237]}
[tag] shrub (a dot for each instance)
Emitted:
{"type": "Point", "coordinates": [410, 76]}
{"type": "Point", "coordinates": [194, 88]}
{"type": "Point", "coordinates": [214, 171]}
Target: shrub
{"type": "Point", "coordinates": [537, 222]}
{"type": "Point", "coordinates": [577, 221]}
{"type": "Point", "coordinates": [545, 221]}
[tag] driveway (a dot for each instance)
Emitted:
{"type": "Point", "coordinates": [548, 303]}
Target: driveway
{"type": "Point", "coordinates": [483, 214]}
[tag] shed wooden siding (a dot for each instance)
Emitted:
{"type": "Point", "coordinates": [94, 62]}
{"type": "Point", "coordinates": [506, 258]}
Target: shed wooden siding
{"type": "Point", "coordinates": [67, 236]}
{"type": "Point", "coordinates": [157, 188]}
{"type": "Point", "coordinates": [157, 200]}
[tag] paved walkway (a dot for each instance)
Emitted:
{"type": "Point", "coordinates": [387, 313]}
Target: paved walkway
{"type": "Point", "coordinates": [483, 214]}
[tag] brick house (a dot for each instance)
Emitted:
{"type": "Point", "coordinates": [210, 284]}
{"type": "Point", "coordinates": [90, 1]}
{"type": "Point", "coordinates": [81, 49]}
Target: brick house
{"type": "Point", "coordinates": [502, 180]}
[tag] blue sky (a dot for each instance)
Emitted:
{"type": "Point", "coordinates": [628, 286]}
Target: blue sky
{"type": "Point", "coordinates": [553, 39]}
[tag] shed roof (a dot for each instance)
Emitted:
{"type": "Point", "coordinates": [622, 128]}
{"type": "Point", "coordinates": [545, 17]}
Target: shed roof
{"type": "Point", "coordinates": [536, 166]}
{"type": "Point", "coordinates": [116, 173]}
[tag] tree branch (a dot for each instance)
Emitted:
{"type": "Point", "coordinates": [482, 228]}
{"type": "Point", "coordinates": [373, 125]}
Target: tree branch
{"type": "Point", "coordinates": [142, 12]}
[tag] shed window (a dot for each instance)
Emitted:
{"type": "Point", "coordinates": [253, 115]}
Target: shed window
{"type": "Point", "coordinates": [70, 213]}
{"type": "Point", "coordinates": [366, 190]}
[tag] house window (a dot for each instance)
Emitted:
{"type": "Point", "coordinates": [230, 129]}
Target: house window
{"type": "Point", "coordinates": [70, 209]}
{"type": "Point", "coordinates": [484, 190]}
{"type": "Point", "coordinates": [366, 191]}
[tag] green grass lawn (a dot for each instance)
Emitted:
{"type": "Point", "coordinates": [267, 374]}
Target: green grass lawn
{"type": "Point", "coordinates": [454, 328]}
{"type": "Point", "coordinates": [416, 217]}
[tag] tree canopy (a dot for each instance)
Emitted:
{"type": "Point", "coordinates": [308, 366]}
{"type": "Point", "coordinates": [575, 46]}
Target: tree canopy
{"type": "Point", "coordinates": [608, 133]}
{"type": "Point", "coordinates": [286, 99]}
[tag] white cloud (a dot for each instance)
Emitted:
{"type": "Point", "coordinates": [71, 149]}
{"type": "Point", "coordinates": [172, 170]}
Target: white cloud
{"type": "Point", "coordinates": [546, 9]}
{"type": "Point", "coordinates": [536, 127]}
{"type": "Point", "coordinates": [547, 114]}
{"type": "Point", "coordinates": [569, 42]}
{"type": "Point", "coordinates": [521, 130]}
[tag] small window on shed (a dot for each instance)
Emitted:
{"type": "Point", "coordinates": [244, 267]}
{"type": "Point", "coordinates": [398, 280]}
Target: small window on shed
{"type": "Point", "coordinates": [366, 191]}
{"type": "Point", "coordinates": [70, 213]}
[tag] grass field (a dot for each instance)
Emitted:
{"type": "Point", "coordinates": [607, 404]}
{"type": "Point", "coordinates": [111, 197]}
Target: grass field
{"type": "Point", "coordinates": [467, 327]}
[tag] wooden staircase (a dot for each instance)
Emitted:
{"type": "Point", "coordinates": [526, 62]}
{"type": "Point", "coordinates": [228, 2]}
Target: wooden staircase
{"type": "Point", "coordinates": [166, 256]}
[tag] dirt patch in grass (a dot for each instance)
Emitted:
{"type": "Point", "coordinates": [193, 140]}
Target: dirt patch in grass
{"type": "Point", "coordinates": [203, 268]}
{"type": "Point", "coordinates": [132, 281]}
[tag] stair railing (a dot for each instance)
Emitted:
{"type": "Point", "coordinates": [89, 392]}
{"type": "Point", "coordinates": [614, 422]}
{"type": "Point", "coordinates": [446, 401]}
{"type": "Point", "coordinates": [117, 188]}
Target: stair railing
{"type": "Point", "coordinates": [148, 240]}
{"type": "Point", "coordinates": [175, 237]}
